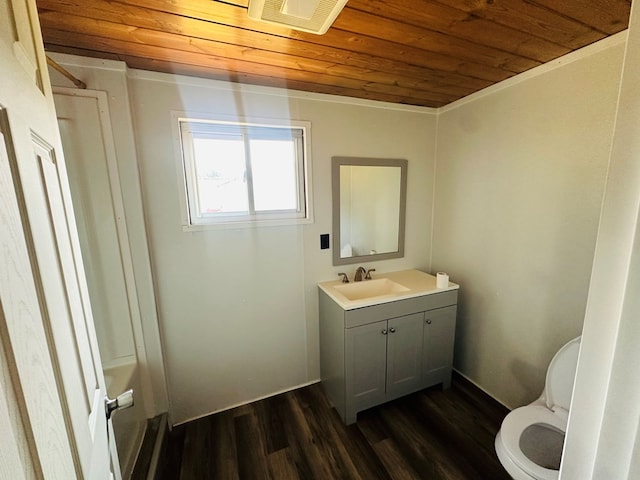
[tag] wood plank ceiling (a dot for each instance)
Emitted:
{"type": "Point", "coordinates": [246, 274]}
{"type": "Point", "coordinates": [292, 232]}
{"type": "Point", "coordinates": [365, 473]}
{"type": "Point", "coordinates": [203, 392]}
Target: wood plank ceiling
{"type": "Point", "coordinates": [417, 52]}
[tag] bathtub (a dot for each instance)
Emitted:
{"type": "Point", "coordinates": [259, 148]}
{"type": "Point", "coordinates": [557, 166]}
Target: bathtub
{"type": "Point", "coordinates": [129, 424]}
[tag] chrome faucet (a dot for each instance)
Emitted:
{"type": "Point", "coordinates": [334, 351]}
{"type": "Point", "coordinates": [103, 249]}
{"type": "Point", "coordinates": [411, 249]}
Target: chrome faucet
{"type": "Point", "coordinates": [360, 275]}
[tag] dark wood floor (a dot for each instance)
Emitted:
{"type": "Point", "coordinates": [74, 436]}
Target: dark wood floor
{"type": "Point", "coordinates": [433, 434]}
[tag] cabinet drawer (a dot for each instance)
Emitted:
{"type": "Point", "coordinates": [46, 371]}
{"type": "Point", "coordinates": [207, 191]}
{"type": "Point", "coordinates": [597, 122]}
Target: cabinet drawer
{"type": "Point", "coordinates": [362, 316]}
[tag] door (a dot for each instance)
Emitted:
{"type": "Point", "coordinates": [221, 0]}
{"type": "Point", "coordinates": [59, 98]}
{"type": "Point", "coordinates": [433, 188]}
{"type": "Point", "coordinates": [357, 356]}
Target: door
{"type": "Point", "coordinates": [439, 335]}
{"type": "Point", "coordinates": [91, 164]}
{"type": "Point", "coordinates": [52, 377]}
{"type": "Point", "coordinates": [90, 161]}
{"type": "Point", "coordinates": [404, 355]}
{"type": "Point", "coordinates": [366, 364]}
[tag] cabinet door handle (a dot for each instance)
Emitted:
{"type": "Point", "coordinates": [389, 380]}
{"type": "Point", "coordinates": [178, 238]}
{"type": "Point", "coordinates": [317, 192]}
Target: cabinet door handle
{"type": "Point", "coordinates": [392, 330]}
{"type": "Point", "coordinates": [384, 331]}
{"type": "Point", "coordinates": [429, 321]}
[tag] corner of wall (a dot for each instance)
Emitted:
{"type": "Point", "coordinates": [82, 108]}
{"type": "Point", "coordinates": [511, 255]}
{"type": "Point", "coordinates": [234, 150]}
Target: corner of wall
{"type": "Point", "coordinates": [433, 190]}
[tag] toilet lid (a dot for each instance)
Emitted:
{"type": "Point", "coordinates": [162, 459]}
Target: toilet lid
{"type": "Point", "coordinates": [511, 431]}
{"type": "Point", "coordinates": [561, 374]}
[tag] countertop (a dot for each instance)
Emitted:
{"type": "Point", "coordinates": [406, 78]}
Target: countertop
{"type": "Point", "coordinates": [418, 284]}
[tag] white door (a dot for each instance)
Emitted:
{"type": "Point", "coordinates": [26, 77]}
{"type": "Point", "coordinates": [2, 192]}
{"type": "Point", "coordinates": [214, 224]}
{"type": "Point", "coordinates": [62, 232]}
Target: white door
{"type": "Point", "coordinates": [83, 119]}
{"type": "Point", "coordinates": [51, 378]}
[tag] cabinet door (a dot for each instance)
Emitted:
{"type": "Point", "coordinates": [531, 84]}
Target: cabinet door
{"type": "Point", "coordinates": [437, 356]}
{"type": "Point", "coordinates": [404, 355]}
{"type": "Point", "coordinates": [365, 365]}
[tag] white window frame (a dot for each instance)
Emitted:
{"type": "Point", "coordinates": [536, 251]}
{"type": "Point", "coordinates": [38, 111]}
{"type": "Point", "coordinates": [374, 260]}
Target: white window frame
{"type": "Point", "coordinates": [187, 126]}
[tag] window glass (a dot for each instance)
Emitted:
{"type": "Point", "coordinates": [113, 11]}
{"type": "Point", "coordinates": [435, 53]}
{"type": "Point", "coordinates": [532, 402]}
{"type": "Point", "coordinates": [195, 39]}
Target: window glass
{"type": "Point", "coordinates": [273, 167]}
{"type": "Point", "coordinates": [220, 175]}
{"type": "Point", "coordinates": [238, 173]}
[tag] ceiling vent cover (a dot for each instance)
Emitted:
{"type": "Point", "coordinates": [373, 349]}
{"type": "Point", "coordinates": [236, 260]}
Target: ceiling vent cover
{"type": "Point", "coordinates": [314, 16]}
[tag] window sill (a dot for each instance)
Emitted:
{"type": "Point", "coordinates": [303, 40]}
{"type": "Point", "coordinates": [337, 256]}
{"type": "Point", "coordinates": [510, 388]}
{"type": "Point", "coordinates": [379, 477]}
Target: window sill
{"type": "Point", "coordinates": [247, 224]}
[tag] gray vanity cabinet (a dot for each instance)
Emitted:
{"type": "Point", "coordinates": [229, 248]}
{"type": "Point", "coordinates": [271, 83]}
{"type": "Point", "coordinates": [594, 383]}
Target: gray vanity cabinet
{"type": "Point", "coordinates": [383, 359]}
{"type": "Point", "coordinates": [365, 366]}
{"type": "Point", "coordinates": [404, 355]}
{"type": "Point", "coordinates": [374, 354]}
{"type": "Point", "coordinates": [438, 337]}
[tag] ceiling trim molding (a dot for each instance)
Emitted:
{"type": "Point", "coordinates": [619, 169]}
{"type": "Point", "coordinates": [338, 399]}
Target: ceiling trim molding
{"type": "Point", "coordinates": [272, 91]}
{"type": "Point", "coordinates": [70, 60]}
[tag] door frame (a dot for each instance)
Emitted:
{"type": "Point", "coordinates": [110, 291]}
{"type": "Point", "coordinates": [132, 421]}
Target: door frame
{"type": "Point", "coordinates": [115, 187]}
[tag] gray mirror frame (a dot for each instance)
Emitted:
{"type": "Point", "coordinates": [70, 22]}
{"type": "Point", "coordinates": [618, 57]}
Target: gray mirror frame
{"type": "Point", "coordinates": [336, 162]}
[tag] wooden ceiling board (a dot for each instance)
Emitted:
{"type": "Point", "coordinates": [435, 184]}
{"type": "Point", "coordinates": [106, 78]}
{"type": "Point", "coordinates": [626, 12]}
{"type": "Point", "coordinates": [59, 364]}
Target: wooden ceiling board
{"type": "Point", "coordinates": [607, 16]}
{"type": "Point", "coordinates": [417, 52]}
{"type": "Point", "coordinates": [324, 57]}
{"type": "Point", "coordinates": [230, 65]}
{"type": "Point", "coordinates": [531, 19]}
{"type": "Point", "coordinates": [99, 31]}
{"type": "Point", "coordinates": [153, 65]}
{"type": "Point", "coordinates": [449, 28]}
{"type": "Point", "coordinates": [413, 61]}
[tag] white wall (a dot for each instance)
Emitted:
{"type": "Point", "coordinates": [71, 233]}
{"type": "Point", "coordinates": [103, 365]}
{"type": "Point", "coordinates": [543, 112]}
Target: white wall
{"type": "Point", "coordinates": [519, 182]}
{"type": "Point", "coordinates": [238, 307]}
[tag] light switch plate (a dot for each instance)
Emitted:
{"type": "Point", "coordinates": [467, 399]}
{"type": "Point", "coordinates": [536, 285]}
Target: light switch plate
{"type": "Point", "coordinates": [324, 241]}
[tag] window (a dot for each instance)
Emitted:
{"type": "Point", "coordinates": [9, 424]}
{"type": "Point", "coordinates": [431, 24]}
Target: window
{"type": "Point", "coordinates": [239, 173]}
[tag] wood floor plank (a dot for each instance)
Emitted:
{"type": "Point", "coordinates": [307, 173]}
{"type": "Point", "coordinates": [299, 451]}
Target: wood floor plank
{"type": "Point", "coordinates": [421, 448]}
{"type": "Point", "coordinates": [360, 450]}
{"type": "Point", "coordinates": [196, 459]}
{"type": "Point", "coordinates": [454, 431]}
{"type": "Point", "coordinates": [330, 446]}
{"type": "Point", "coordinates": [252, 458]}
{"type": "Point", "coordinates": [304, 459]}
{"type": "Point", "coordinates": [225, 458]}
{"type": "Point", "coordinates": [372, 427]}
{"type": "Point", "coordinates": [324, 461]}
{"type": "Point", "coordinates": [271, 417]}
{"type": "Point", "coordinates": [493, 411]}
{"type": "Point", "coordinates": [432, 434]}
{"type": "Point", "coordinates": [394, 461]}
{"type": "Point", "coordinates": [281, 465]}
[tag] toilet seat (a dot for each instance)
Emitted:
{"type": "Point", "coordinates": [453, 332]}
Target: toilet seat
{"type": "Point", "coordinates": [561, 372]}
{"type": "Point", "coordinates": [512, 428]}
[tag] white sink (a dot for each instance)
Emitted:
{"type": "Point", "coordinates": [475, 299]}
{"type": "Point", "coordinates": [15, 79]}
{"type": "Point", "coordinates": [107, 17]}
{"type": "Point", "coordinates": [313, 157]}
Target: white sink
{"type": "Point", "coordinates": [386, 287]}
{"type": "Point", "coordinates": [370, 288]}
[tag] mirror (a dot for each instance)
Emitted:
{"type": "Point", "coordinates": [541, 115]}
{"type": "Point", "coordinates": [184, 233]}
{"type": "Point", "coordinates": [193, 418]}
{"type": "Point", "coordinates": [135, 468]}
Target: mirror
{"type": "Point", "coordinates": [369, 200]}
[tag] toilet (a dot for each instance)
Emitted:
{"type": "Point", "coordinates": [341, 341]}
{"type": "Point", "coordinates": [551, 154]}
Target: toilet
{"type": "Point", "coordinates": [529, 443]}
